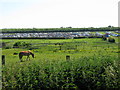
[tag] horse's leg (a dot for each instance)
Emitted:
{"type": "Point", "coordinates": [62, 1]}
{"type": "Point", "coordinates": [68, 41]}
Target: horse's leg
{"type": "Point", "coordinates": [27, 57]}
{"type": "Point", "coordinates": [21, 58]}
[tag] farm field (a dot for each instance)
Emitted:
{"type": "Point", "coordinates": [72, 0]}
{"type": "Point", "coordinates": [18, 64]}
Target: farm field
{"type": "Point", "coordinates": [93, 64]}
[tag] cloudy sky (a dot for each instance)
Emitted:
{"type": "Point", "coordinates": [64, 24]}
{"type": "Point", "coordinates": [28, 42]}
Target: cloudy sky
{"type": "Point", "coordinates": [58, 13]}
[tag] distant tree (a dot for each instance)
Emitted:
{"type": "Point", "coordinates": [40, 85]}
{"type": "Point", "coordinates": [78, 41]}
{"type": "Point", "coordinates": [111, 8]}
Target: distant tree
{"type": "Point", "coordinates": [68, 27]}
{"type": "Point", "coordinates": [109, 26]}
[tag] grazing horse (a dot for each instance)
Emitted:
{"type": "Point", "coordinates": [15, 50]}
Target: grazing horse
{"type": "Point", "coordinates": [25, 53]}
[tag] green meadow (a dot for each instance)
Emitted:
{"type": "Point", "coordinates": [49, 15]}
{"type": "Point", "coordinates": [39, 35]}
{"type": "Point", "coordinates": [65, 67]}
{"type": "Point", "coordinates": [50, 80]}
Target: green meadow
{"type": "Point", "coordinates": [93, 64]}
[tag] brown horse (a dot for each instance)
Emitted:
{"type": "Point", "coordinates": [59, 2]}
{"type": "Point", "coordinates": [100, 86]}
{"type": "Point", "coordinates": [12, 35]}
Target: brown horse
{"type": "Point", "coordinates": [25, 53]}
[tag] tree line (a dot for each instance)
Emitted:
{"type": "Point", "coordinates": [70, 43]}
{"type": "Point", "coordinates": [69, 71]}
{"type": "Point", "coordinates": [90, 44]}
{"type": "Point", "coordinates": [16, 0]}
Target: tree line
{"type": "Point", "coordinates": [67, 29]}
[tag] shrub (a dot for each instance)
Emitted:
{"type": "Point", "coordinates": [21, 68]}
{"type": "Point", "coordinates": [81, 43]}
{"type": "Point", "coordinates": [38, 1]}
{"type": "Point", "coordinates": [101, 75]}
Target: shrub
{"type": "Point", "coordinates": [3, 44]}
{"type": "Point", "coordinates": [83, 74]}
{"type": "Point", "coordinates": [111, 40]}
{"type": "Point", "coordinates": [7, 47]}
{"type": "Point", "coordinates": [26, 44]}
{"type": "Point", "coordinates": [104, 38]}
{"type": "Point", "coordinates": [21, 44]}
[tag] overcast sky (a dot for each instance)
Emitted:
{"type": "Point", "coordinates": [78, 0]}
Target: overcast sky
{"type": "Point", "coordinates": [58, 13]}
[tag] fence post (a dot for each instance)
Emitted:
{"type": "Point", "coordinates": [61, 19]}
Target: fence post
{"type": "Point", "coordinates": [3, 59]}
{"type": "Point", "coordinates": [60, 47]}
{"type": "Point", "coordinates": [67, 58]}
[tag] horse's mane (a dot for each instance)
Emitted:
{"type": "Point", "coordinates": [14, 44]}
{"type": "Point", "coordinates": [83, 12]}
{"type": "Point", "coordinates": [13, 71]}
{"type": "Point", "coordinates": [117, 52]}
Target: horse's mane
{"type": "Point", "coordinates": [29, 51]}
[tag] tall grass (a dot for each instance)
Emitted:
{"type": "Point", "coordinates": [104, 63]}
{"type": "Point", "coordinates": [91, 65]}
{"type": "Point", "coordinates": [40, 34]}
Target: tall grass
{"type": "Point", "coordinates": [83, 73]}
{"type": "Point", "coordinates": [93, 66]}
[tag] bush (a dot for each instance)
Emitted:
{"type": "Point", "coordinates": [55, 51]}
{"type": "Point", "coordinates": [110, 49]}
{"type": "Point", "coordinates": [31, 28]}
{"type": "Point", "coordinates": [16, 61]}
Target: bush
{"type": "Point", "coordinates": [7, 47]}
{"type": "Point", "coordinates": [104, 38]}
{"type": "Point", "coordinates": [21, 44]}
{"type": "Point", "coordinates": [82, 74]}
{"type": "Point", "coordinates": [3, 44]}
{"type": "Point", "coordinates": [17, 44]}
{"type": "Point", "coordinates": [111, 40]}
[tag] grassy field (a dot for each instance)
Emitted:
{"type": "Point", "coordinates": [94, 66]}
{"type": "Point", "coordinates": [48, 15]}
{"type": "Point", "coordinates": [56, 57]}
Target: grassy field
{"type": "Point", "coordinates": [93, 64]}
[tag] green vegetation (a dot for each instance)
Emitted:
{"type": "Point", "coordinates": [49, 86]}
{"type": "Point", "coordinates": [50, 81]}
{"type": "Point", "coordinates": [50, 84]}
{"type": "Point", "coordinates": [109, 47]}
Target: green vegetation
{"type": "Point", "coordinates": [111, 40]}
{"type": "Point", "coordinates": [21, 44]}
{"type": "Point", "coordinates": [94, 64]}
{"type": "Point", "coordinates": [25, 30]}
